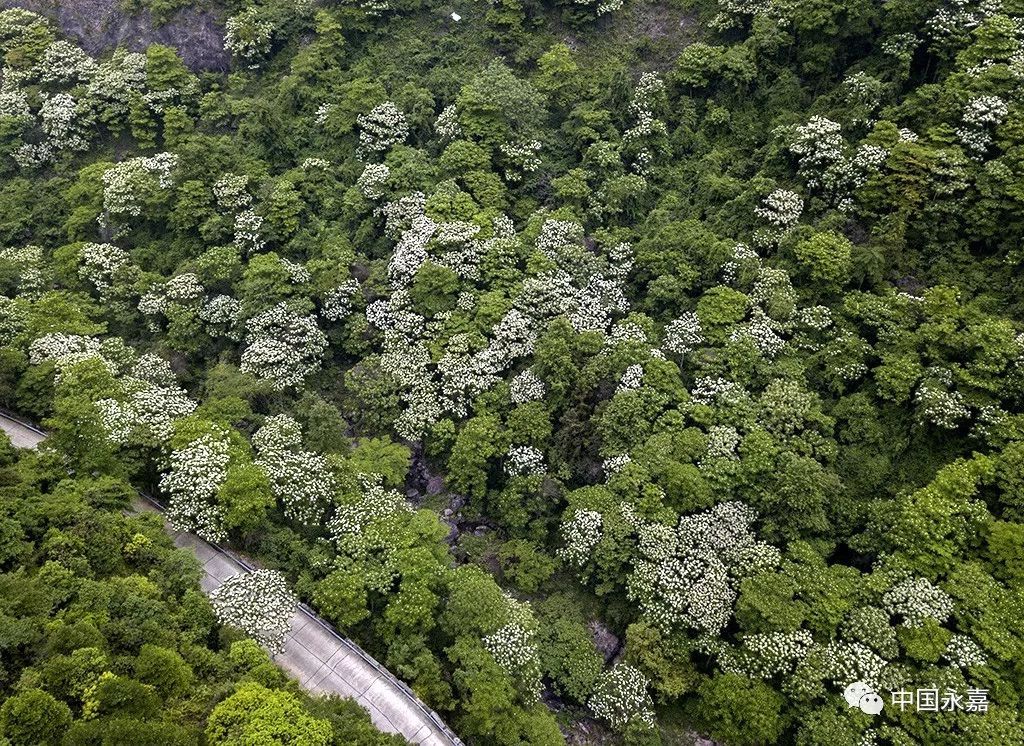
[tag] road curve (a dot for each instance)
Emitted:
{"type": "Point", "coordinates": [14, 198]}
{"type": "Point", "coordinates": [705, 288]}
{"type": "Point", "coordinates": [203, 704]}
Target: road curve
{"type": "Point", "coordinates": [314, 653]}
{"type": "Point", "coordinates": [22, 434]}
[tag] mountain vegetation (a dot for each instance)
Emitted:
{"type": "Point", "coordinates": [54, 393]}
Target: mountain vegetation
{"type": "Point", "coordinates": [612, 371]}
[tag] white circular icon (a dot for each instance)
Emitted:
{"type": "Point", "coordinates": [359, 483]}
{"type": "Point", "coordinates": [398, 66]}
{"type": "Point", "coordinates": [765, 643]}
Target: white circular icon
{"type": "Point", "coordinates": [855, 691]}
{"type": "Point", "coordinates": [870, 703]}
{"type": "Point", "coordinates": [859, 694]}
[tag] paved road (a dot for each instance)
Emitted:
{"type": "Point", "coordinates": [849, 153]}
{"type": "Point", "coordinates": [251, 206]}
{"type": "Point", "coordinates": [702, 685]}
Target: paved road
{"type": "Point", "coordinates": [318, 657]}
{"type": "Point", "coordinates": [21, 435]}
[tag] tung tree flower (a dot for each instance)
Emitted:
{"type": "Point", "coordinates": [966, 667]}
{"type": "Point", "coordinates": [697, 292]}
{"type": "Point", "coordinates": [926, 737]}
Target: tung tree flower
{"type": "Point", "coordinates": [259, 603]}
{"type": "Point", "coordinates": [283, 347]}
{"type": "Point", "coordinates": [248, 36]}
{"type": "Point", "coordinates": [127, 184]}
{"type": "Point", "coordinates": [527, 387]}
{"type": "Point", "coordinates": [197, 472]}
{"type": "Point", "coordinates": [382, 127]}
{"type": "Point", "coordinates": [301, 480]}
{"type": "Point", "coordinates": [621, 698]}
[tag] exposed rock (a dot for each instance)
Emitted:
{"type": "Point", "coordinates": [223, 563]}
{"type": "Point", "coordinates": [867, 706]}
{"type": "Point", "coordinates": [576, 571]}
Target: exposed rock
{"type": "Point", "coordinates": [593, 472]}
{"type": "Point", "coordinates": [100, 25]}
{"type": "Point", "coordinates": [605, 641]}
{"type": "Point", "coordinates": [421, 478]}
{"type": "Point", "coordinates": [435, 484]}
{"type": "Point", "coordinates": [586, 731]}
{"type": "Point", "coordinates": [699, 740]}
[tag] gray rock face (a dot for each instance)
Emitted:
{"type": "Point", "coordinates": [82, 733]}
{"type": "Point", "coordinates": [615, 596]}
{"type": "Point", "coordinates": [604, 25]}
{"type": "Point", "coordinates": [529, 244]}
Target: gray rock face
{"type": "Point", "coordinates": [100, 25]}
{"type": "Point", "coordinates": [606, 642]}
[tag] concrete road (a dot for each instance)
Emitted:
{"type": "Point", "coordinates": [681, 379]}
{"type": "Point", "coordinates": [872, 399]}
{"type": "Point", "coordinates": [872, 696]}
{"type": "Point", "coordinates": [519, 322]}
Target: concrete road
{"type": "Point", "coordinates": [321, 660]}
{"type": "Point", "coordinates": [22, 435]}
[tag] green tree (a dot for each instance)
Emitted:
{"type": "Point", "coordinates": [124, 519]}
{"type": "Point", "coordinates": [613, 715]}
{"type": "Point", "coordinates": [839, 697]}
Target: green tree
{"type": "Point", "coordinates": [381, 456]}
{"type": "Point", "coordinates": [165, 670]}
{"type": "Point", "coordinates": [246, 498]}
{"type": "Point", "coordinates": [255, 714]}
{"type": "Point", "coordinates": [826, 259]}
{"type": "Point", "coordinates": [525, 565]}
{"type": "Point", "coordinates": [478, 441]}
{"type": "Point", "coordinates": [497, 107]}
{"type": "Point", "coordinates": [739, 710]}
{"type": "Point", "coordinates": [33, 717]}
{"type": "Point", "coordinates": [433, 289]}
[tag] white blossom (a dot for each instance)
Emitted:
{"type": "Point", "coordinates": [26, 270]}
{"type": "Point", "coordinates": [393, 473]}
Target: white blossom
{"type": "Point", "coordinates": [283, 347]}
{"type": "Point", "coordinates": [337, 303]}
{"type": "Point", "coordinates": [521, 158]}
{"type": "Point", "coordinates": [67, 121]}
{"type": "Point", "coordinates": [707, 390]}
{"type": "Point", "coordinates": [100, 265]}
{"type": "Point", "coordinates": [620, 697]}
{"type": "Point", "coordinates": [28, 260]}
{"type": "Point", "coordinates": [942, 408]}
{"type": "Point", "coordinates": [248, 36]}
{"type": "Point", "coordinates": [514, 648]}
{"type": "Point", "coordinates": [632, 378]}
{"type": "Point", "coordinates": [154, 369]}
{"type": "Point", "coordinates": [352, 518]}
{"type": "Point", "coordinates": [781, 208]}
{"type": "Point", "coordinates": [382, 127]}
{"type": "Point", "coordinates": [248, 232]}
{"type": "Point", "coordinates": [614, 464]}
{"type": "Point", "coordinates": [221, 310]}
{"type": "Point", "coordinates": [962, 651]}
{"type": "Point", "coordinates": [980, 115]}
{"type": "Point", "coordinates": [259, 603]}
{"type": "Point", "coordinates": [196, 473]}
{"type": "Point", "coordinates": [447, 125]}
{"type": "Point", "coordinates": [917, 600]}
{"type": "Point", "coordinates": [127, 184]}
{"type": "Point", "coordinates": [696, 586]}
{"type": "Point", "coordinates": [526, 460]}
{"type": "Point", "coordinates": [580, 535]}
{"type": "Point", "coordinates": [527, 387]}
{"type": "Point", "coordinates": [144, 413]}
{"type": "Point", "coordinates": [371, 182]}
{"type": "Point", "coordinates": [65, 64]}
{"type": "Point", "coordinates": [64, 350]}
{"type": "Point", "coordinates": [12, 319]}
{"type": "Point", "coordinates": [721, 444]}
{"type": "Point", "coordinates": [301, 480]}
{"type": "Point", "coordinates": [230, 191]}
{"type": "Point", "coordinates": [683, 334]}
{"type": "Point", "coordinates": [767, 655]}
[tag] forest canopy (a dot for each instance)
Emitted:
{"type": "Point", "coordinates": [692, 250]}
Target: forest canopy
{"type": "Point", "coordinates": [613, 371]}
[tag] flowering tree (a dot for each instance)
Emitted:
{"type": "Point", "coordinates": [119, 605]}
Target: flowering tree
{"type": "Point", "coordinates": [381, 128]}
{"type": "Point", "coordinates": [248, 36]}
{"type": "Point", "coordinates": [259, 603]}
{"type": "Point", "coordinates": [620, 697]}
{"type": "Point", "coordinates": [301, 480]}
{"type": "Point", "coordinates": [282, 346]}
{"type": "Point", "coordinates": [196, 473]}
{"type": "Point", "coordinates": [128, 185]}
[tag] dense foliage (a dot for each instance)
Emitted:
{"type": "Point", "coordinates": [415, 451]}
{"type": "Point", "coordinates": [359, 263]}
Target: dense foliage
{"type": "Point", "coordinates": [108, 641]}
{"type": "Point", "coordinates": [658, 364]}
